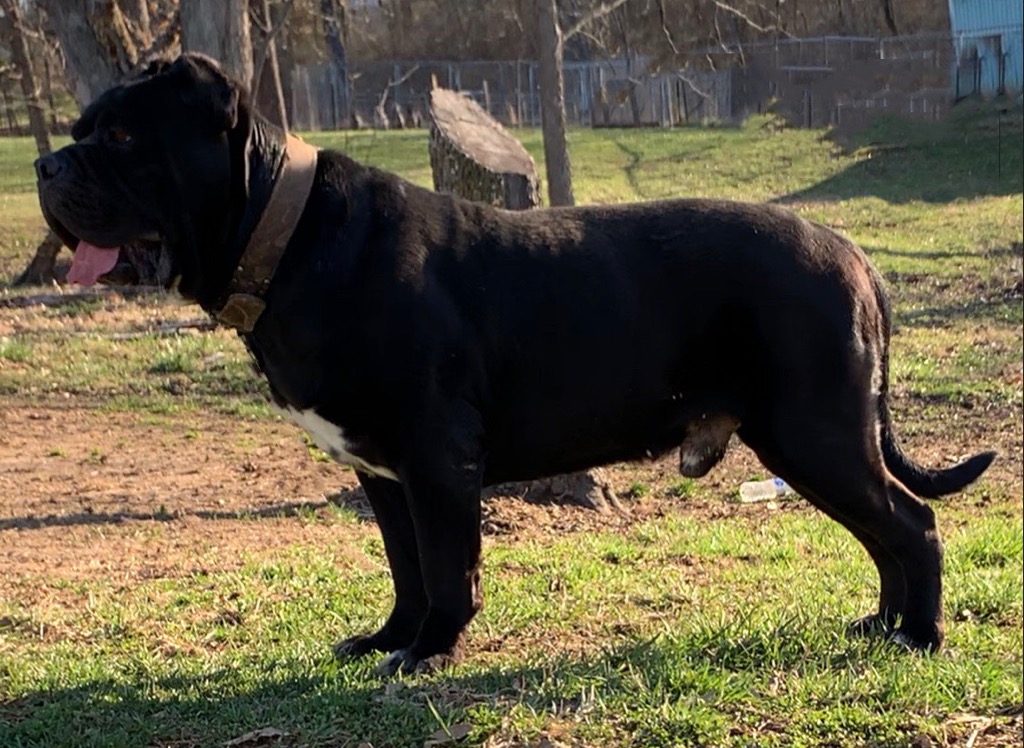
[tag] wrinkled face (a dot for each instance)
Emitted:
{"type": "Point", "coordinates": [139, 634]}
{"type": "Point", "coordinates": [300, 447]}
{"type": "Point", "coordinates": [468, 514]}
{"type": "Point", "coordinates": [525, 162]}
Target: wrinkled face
{"type": "Point", "coordinates": [148, 172]}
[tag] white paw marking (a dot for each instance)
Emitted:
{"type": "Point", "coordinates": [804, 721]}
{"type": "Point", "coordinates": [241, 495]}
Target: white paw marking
{"type": "Point", "coordinates": [900, 639]}
{"type": "Point", "coordinates": [693, 461]}
{"type": "Point", "coordinates": [331, 439]}
{"type": "Point", "coordinates": [392, 662]}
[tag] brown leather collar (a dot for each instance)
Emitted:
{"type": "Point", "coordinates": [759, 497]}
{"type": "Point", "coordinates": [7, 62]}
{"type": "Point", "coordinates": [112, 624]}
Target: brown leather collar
{"type": "Point", "coordinates": [244, 295]}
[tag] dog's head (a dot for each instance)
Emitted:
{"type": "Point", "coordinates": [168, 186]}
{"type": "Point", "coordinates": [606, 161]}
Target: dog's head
{"type": "Point", "coordinates": [153, 167]}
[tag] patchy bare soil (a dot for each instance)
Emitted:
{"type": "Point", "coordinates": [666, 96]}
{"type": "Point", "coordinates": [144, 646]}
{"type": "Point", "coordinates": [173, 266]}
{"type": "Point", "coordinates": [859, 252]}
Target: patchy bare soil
{"type": "Point", "coordinates": [87, 493]}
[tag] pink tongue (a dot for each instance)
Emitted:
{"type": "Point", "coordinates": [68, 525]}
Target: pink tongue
{"type": "Point", "coordinates": [90, 262]}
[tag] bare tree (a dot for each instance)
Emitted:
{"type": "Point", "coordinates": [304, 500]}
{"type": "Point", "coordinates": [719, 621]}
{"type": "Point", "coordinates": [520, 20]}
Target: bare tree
{"type": "Point", "coordinates": [335, 24]}
{"type": "Point", "coordinates": [23, 62]}
{"type": "Point", "coordinates": [40, 269]}
{"type": "Point", "coordinates": [890, 17]}
{"type": "Point", "coordinates": [221, 30]}
{"type": "Point", "coordinates": [266, 62]}
{"type": "Point", "coordinates": [335, 20]}
{"type": "Point", "coordinates": [98, 46]}
{"type": "Point", "coordinates": [550, 53]}
{"type": "Point", "coordinates": [552, 104]}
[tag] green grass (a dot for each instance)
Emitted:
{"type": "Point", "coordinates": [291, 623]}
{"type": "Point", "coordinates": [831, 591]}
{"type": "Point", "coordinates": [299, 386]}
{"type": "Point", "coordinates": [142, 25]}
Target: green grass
{"type": "Point", "coordinates": [654, 653]}
{"type": "Point", "coordinates": [149, 373]}
{"type": "Point", "coordinates": [677, 631]}
{"type": "Point", "coordinates": [15, 351]}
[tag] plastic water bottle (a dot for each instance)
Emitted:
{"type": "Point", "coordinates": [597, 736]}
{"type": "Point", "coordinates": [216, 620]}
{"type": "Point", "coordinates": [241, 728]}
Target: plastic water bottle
{"type": "Point", "coordinates": [764, 490]}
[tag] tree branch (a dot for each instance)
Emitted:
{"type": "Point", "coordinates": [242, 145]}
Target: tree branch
{"type": "Point", "coordinates": [598, 12]}
{"type": "Point", "coordinates": [270, 33]}
{"type": "Point", "coordinates": [164, 42]}
{"type": "Point", "coordinates": [664, 28]}
{"type": "Point", "coordinates": [750, 21]}
{"type": "Point", "coordinates": [395, 84]}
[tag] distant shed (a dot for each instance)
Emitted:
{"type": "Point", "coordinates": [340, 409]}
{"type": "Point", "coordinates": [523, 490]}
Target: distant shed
{"type": "Point", "coordinates": [988, 36]}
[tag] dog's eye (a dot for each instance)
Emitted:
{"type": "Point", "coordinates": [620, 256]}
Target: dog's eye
{"type": "Point", "coordinates": [119, 136]}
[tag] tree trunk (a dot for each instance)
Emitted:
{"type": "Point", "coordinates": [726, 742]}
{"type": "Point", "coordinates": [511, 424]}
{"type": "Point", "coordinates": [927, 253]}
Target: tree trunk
{"type": "Point", "coordinates": [48, 87]}
{"type": "Point", "coordinates": [41, 269]}
{"type": "Point", "coordinates": [634, 99]}
{"type": "Point", "coordinates": [23, 62]}
{"type": "Point", "coordinates": [399, 19]}
{"type": "Point", "coordinates": [221, 30]}
{"type": "Point", "coordinates": [137, 13]}
{"type": "Point", "coordinates": [266, 83]}
{"type": "Point", "coordinates": [890, 17]}
{"type": "Point", "coordinates": [96, 43]}
{"type": "Point", "coordinates": [335, 21]}
{"type": "Point", "coordinates": [336, 34]}
{"type": "Point", "coordinates": [98, 49]}
{"type": "Point", "coordinates": [9, 113]}
{"type": "Point", "coordinates": [552, 104]}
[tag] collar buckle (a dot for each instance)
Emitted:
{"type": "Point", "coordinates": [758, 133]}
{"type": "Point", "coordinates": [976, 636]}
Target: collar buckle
{"type": "Point", "coordinates": [241, 311]}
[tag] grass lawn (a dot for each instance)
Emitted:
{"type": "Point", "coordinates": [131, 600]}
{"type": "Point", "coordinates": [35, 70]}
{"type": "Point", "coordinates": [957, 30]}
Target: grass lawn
{"type": "Point", "coordinates": [177, 560]}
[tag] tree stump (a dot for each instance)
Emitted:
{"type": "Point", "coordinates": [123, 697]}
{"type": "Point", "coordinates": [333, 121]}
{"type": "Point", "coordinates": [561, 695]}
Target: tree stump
{"type": "Point", "coordinates": [474, 157]}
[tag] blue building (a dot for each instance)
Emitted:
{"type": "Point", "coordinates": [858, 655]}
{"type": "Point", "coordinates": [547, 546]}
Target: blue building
{"type": "Point", "coordinates": [988, 38]}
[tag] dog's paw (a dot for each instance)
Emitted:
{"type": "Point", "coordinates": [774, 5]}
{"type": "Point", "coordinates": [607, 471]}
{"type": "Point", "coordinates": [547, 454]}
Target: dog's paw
{"type": "Point", "coordinates": [357, 646]}
{"type": "Point", "coordinates": [914, 643]}
{"type": "Point", "coordinates": [869, 626]}
{"type": "Point", "coordinates": [406, 662]}
{"type": "Point", "coordinates": [395, 663]}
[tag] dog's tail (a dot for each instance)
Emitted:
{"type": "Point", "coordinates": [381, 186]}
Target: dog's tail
{"type": "Point", "coordinates": [924, 482]}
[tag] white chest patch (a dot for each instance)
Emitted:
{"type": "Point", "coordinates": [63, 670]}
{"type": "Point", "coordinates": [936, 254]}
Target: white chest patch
{"type": "Point", "coordinates": [331, 439]}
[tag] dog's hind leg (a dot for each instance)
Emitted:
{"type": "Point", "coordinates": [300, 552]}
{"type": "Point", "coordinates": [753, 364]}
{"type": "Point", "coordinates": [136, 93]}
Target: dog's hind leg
{"type": "Point", "coordinates": [704, 445]}
{"type": "Point", "coordinates": [387, 499]}
{"type": "Point", "coordinates": [835, 461]}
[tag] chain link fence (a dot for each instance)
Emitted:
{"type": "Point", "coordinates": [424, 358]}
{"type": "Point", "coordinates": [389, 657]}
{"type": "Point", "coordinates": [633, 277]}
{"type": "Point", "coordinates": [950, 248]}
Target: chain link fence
{"type": "Point", "coordinates": [814, 82]}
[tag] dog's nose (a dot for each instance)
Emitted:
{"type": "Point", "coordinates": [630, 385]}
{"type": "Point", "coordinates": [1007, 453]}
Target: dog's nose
{"type": "Point", "coordinates": [47, 167]}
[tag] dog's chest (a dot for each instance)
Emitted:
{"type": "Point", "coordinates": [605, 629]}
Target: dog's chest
{"type": "Point", "coordinates": [331, 439]}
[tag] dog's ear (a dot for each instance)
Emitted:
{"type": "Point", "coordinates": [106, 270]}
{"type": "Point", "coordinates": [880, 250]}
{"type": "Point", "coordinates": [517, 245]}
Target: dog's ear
{"type": "Point", "coordinates": [205, 86]}
{"type": "Point", "coordinates": [154, 67]}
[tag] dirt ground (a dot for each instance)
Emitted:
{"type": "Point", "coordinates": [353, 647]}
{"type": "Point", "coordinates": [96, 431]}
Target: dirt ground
{"type": "Point", "coordinates": [89, 492]}
{"type": "Point", "coordinates": [81, 492]}
{"type": "Point", "coordinates": [85, 491]}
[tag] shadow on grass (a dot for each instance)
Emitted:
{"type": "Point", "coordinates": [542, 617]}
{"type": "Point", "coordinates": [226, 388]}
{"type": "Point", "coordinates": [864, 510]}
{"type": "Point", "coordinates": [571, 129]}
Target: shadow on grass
{"type": "Point", "coordinates": [329, 704]}
{"type": "Point", "coordinates": [976, 152]}
{"type": "Point", "coordinates": [1006, 308]}
{"type": "Point", "coordinates": [913, 254]}
{"type": "Point", "coordinates": [353, 499]}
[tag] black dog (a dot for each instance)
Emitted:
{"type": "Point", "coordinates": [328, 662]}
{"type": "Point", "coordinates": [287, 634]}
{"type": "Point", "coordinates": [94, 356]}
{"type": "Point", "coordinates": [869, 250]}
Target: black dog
{"type": "Point", "coordinates": [440, 346]}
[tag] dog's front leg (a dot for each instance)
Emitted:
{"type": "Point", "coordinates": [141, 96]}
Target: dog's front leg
{"type": "Point", "coordinates": [387, 499]}
{"type": "Point", "coordinates": [443, 496]}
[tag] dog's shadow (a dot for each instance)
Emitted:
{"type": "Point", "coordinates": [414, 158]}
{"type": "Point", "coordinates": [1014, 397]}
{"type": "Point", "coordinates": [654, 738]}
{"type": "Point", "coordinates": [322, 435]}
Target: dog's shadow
{"type": "Point", "coordinates": [351, 500]}
{"type": "Point", "coordinates": [348, 704]}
